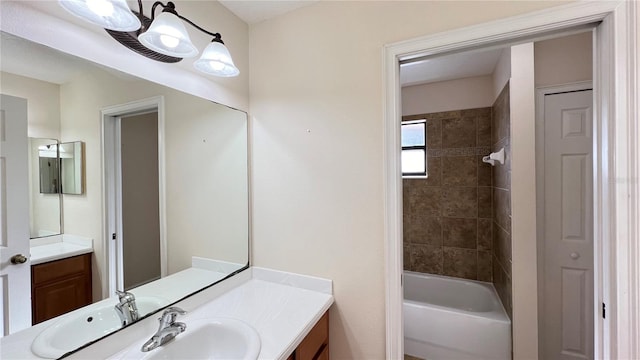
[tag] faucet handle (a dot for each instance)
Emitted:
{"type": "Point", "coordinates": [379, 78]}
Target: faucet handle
{"type": "Point", "coordinates": [123, 295]}
{"type": "Point", "coordinates": [169, 315]}
{"type": "Point", "coordinates": [173, 310]}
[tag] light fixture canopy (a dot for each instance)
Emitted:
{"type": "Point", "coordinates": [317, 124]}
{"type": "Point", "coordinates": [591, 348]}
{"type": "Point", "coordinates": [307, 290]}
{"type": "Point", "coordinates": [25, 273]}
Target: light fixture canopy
{"type": "Point", "coordinates": [163, 38]}
{"type": "Point", "coordinates": [109, 14]}
{"type": "Point", "coordinates": [216, 60]}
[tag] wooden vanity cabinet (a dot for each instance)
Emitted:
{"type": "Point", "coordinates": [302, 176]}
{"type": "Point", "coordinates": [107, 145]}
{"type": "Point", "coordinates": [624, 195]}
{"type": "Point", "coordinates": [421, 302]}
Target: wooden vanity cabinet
{"type": "Point", "coordinates": [315, 345]}
{"type": "Point", "coordinates": [60, 286]}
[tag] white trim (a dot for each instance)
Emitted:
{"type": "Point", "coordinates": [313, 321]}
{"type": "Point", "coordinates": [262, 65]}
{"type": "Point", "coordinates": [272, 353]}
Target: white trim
{"type": "Point", "coordinates": [107, 141]}
{"type": "Point", "coordinates": [524, 284]}
{"type": "Point", "coordinates": [393, 205]}
{"type": "Point", "coordinates": [619, 103]}
{"type": "Point", "coordinates": [540, 201]}
{"type": "Point", "coordinates": [110, 185]}
{"type": "Point", "coordinates": [623, 157]}
{"type": "Point", "coordinates": [116, 196]}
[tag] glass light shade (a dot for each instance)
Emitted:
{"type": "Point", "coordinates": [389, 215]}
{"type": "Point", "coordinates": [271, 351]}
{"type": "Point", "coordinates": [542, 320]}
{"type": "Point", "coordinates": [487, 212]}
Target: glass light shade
{"type": "Point", "coordinates": [167, 35]}
{"type": "Point", "coordinates": [109, 14]}
{"type": "Point", "coordinates": [216, 60]}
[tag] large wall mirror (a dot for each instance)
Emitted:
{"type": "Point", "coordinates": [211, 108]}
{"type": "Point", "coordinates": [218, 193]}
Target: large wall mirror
{"type": "Point", "coordinates": [156, 179]}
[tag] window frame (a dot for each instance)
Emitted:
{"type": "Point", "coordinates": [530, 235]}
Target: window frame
{"type": "Point", "coordinates": [409, 175]}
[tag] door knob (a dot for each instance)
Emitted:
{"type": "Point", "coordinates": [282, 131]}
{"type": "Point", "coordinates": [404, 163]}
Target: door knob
{"type": "Point", "coordinates": [574, 255]}
{"type": "Point", "coordinates": [18, 259]}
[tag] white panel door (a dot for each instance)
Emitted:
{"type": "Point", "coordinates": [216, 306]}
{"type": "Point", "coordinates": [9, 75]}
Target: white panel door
{"type": "Point", "coordinates": [568, 233]}
{"type": "Point", "coordinates": [15, 274]}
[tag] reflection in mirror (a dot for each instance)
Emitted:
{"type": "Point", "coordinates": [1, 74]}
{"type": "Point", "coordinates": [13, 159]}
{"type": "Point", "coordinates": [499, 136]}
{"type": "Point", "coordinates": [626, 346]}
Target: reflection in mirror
{"type": "Point", "coordinates": [71, 167]}
{"type": "Point", "coordinates": [198, 207]}
{"type": "Point", "coordinates": [49, 169]}
{"type": "Point", "coordinates": [44, 197]}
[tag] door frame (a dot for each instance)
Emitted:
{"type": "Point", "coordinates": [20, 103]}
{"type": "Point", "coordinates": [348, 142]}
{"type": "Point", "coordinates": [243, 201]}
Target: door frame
{"type": "Point", "coordinates": [616, 152]}
{"type": "Point", "coordinates": [540, 196]}
{"type": "Point", "coordinates": [112, 188]}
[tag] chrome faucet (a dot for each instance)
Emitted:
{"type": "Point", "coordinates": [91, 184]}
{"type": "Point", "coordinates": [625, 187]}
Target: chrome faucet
{"type": "Point", "coordinates": [167, 330]}
{"type": "Point", "coordinates": [126, 307]}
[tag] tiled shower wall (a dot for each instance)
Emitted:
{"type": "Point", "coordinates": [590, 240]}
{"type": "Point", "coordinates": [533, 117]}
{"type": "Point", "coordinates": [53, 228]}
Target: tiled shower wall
{"type": "Point", "coordinates": [500, 137]}
{"type": "Point", "coordinates": [448, 216]}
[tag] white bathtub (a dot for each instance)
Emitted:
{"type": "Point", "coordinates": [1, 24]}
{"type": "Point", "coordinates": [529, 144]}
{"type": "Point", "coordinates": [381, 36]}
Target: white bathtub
{"type": "Point", "coordinates": [449, 318]}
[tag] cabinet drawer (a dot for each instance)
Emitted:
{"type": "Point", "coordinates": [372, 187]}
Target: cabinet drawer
{"type": "Point", "coordinates": [62, 268]}
{"type": "Point", "coordinates": [313, 344]}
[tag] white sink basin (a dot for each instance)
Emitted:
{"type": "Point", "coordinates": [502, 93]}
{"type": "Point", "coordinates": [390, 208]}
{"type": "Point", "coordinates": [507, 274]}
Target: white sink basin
{"type": "Point", "coordinates": [209, 338]}
{"type": "Point", "coordinates": [75, 330]}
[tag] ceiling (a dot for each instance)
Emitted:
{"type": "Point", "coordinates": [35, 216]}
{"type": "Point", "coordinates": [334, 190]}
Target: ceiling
{"type": "Point", "coordinates": [26, 58]}
{"type": "Point", "coordinates": [449, 67]}
{"type": "Point", "coordinates": [255, 11]}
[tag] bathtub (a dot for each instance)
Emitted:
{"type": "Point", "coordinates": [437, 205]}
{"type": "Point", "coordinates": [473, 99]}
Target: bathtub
{"type": "Point", "coordinates": [449, 318]}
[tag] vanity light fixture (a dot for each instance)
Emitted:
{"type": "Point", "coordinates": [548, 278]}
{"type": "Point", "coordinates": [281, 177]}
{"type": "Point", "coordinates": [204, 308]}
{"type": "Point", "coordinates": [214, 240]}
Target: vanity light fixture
{"type": "Point", "coordinates": [162, 38]}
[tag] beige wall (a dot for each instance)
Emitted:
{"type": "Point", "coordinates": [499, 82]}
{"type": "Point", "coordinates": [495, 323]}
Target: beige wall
{"type": "Point", "coordinates": [502, 72]}
{"type": "Point", "coordinates": [564, 60]}
{"type": "Point", "coordinates": [317, 101]}
{"type": "Point", "coordinates": [459, 94]}
{"type": "Point", "coordinates": [43, 103]}
{"type": "Point", "coordinates": [43, 116]}
{"type": "Point", "coordinates": [207, 184]}
{"type": "Point", "coordinates": [189, 123]}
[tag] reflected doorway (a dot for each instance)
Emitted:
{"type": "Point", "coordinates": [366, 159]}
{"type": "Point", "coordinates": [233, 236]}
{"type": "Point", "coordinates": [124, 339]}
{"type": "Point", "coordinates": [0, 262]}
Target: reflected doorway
{"type": "Point", "coordinates": [133, 146]}
{"type": "Point", "coordinates": [140, 199]}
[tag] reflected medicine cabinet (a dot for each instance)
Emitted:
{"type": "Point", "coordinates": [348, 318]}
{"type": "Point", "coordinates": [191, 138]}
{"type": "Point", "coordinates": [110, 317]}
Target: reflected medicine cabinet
{"type": "Point", "coordinates": [62, 168]}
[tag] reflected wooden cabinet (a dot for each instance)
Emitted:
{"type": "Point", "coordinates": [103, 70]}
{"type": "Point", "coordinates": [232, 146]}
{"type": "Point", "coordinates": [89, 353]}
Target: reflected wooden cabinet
{"type": "Point", "coordinates": [315, 345]}
{"type": "Point", "coordinates": [60, 286]}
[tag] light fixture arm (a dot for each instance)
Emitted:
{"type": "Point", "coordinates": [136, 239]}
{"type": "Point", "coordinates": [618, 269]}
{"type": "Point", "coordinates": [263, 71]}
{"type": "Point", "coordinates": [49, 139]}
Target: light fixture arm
{"type": "Point", "coordinates": [171, 7]}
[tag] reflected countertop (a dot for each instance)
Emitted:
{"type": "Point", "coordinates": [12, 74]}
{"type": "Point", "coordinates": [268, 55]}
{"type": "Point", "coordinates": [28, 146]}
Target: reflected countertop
{"type": "Point", "coordinates": [59, 247]}
{"type": "Point", "coordinates": [169, 289]}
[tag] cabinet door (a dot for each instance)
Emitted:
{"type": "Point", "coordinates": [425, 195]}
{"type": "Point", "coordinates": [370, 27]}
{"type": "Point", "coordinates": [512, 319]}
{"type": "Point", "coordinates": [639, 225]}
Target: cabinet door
{"type": "Point", "coordinates": [60, 297]}
{"type": "Point", "coordinates": [324, 355]}
{"type": "Point", "coordinates": [316, 342]}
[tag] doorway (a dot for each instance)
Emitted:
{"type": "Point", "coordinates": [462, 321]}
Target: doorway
{"type": "Point", "coordinates": [140, 237]}
{"type": "Point", "coordinates": [613, 229]}
{"type": "Point", "coordinates": [134, 183]}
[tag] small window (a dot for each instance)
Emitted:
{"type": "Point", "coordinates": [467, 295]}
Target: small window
{"type": "Point", "coordinates": [414, 148]}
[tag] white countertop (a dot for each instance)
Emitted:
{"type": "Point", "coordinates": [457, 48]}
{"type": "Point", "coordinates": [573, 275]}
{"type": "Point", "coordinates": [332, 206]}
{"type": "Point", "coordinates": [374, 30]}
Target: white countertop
{"type": "Point", "coordinates": [58, 247]}
{"type": "Point", "coordinates": [282, 307]}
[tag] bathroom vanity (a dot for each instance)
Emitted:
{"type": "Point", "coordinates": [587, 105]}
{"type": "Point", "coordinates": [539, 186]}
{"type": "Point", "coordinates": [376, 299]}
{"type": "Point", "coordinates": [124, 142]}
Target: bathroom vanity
{"type": "Point", "coordinates": [316, 345]}
{"type": "Point", "coordinates": [60, 286]}
{"type": "Point", "coordinates": [60, 275]}
{"type": "Point", "coordinates": [289, 312]}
